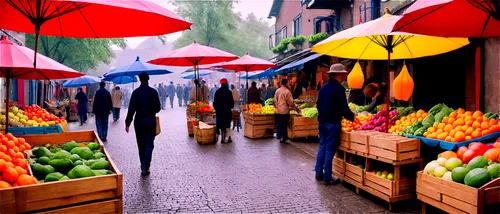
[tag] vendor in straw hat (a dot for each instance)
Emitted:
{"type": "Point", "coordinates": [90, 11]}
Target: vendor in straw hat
{"type": "Point", "coordinates": [332, 107]}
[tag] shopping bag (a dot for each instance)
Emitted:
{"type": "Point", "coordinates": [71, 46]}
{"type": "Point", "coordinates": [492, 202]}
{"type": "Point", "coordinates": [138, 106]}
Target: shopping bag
{"type": "Point", "coordinates": [158, 129]}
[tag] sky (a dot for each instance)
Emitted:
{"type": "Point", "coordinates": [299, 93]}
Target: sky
{"type": "Point", "coordinates": [260, 8]}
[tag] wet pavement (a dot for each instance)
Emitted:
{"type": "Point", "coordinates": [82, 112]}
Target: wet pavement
{"type": "Point", "coordinates": [249, 176]}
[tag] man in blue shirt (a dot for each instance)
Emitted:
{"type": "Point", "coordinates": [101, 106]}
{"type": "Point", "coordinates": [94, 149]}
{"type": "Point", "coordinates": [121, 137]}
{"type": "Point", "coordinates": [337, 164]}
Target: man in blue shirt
{"type": "Point", "coordinates": [171, 93]}
{"type": "Point", "coordinates": [144, 104]}
{"type": "Point", "coordinates": [332, 107]}
{"type": "Point", "coordinates": [102, 108]}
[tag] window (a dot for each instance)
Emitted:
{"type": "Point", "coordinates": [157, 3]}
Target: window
{"type": "Point", "coordinates": [297, 26]}
{"type": "Point", "coordinates": [281, 35]}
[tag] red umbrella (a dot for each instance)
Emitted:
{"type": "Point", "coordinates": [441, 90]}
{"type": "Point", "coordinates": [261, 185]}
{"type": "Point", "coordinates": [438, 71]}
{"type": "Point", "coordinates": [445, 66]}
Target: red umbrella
{"type": "Point", "coordinates": [89, 18]}
{"type": "Point", "coordinates": [248, 63]}
{"type": "Point", "coordinates": [452, 18]}
{"type": "Point", "coordinates": [16, 62]}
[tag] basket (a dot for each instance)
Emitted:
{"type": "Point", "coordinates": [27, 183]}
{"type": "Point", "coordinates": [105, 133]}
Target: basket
{"type": "Point", "coordinates": [190, 125]}
{"type": "Point", "coordinates": [205, 136]}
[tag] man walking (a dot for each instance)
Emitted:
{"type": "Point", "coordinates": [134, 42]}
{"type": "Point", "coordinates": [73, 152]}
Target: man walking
{"type": "Point", "coordinates": [283, 102]}
{"type": "Point", "coordinates": [263, 93]}
{"type": "Point", "coordinates": [332, 107]}
{"type": "Point", "coordinates": [253, 94]}
{"type": "Point", "coordinates": [243, 93]}
{"type": "Point", "coordinates": [162, 92]}
{"type": "Point", "coordinates": [102, 108]}
{"type": "Point", "coordinates": [171, 93]}
{"type": "Point", "coordinates": [185, 94]}
{"type": "Point", "coordinates": [144, 104]}
{"type": "Point", "coordinates": [212, 92]}
{"type": "Point", "coordinates": [178, 91]}
{"type": "Point", "coordinates": [116, 97]}
{"type": "Point", "coordinates": [223, 103]}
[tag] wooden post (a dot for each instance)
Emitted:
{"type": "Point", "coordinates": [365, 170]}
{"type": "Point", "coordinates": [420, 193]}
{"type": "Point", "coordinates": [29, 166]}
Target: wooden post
{"type": "Point", "coordinates": [7, 77]}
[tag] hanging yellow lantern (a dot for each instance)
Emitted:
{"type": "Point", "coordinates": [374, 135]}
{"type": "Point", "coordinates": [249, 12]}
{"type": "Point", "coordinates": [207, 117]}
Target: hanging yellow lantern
{"type": "Point", "coordinates": [356, 78]}
{"type": "Point", "coordinates": [403, 85]}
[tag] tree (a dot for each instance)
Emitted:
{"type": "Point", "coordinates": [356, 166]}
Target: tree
{"type": "Point", "coordinates": [79, 54]}
{"type": "Point", "coordinates": [215, 24]}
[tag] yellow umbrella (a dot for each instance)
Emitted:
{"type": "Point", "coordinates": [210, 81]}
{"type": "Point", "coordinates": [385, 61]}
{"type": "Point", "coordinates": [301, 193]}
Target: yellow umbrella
{"type": "Point", "coordinates": [374, 40]}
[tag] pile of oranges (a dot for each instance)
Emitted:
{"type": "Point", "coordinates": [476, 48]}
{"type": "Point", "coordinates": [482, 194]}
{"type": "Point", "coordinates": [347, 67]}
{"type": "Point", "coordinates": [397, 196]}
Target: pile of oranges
{"type": "Point", "coordinates": [407, 121]}
{"type": "Point", "coordinates": [462, 125]}
{"type": "Point", "coordinates": [348, 126]}
{"type": "Point", "coordinates": [13, 163]}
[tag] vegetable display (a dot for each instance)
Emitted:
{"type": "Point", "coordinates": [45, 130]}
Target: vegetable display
{"type": "Point", "coordinates": [473, 166]}
{"type": "Point", "coordinates": [258, 109]}
{"type": "Point", "coordinates": [13, 163]}
{"type": "Point", "coordinates": [407, 120]}
{"type": "Point", "coordinates": [202, 107]}
{"type": "Point", "coordinates": [349, 126]}
{"type": "Point", "coordinates": [378, 122]}
{"type": "Point", "coordinates": [269, 102]}
{"type": "Point", "coordinates": [69, 161]}
{"type": "Point", "coordinates": [310, 112]}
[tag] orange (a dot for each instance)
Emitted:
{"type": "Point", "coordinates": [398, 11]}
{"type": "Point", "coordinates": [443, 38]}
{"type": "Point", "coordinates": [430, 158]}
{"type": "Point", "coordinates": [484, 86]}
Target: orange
{"type": "Point", "coordinates": [453, 140]}
{"type": "Point", "coordinates": [9, 136]}
{"type": "Point", "coordinates": [448, 128]}
{"type": "Point", "coordinates": [451, 120]}
{"type": "Point", "coordinates": [21, 148]}
{"type": "Point", "coordinates": [464, 128]}
{"type": "Point", "coordinates": [431, 129]}
{"type": "Point", "coordinates": [495, 128]}
{"type": "Point", "coordinates": [468, 138]}
{"type": "Point", "coordinates": [460, 110]}
{"type": "Point", "coordinates": [439, 131]}
{"type": "Point", "coordinates": [5, 157]}
{"type": "Point", "coordinates": [432, 135]}
{"type": "Point", "coordinates": [26, 180]}
{"type": "Point", "coordinates": [469, 123]}
{"type": "Point", "coordinates": [469, 131]}
{"type": "Point", "coordinates": [15, 141]}
{"type": "Point", "coordinates": [477, 114]}
{"type": "Point", "coordinates": [10, 144]}
{"type": "Point", "coordinates": [442, 136]}
{"type": "Point", "coordinates": [468, 113]}
{"type": "Point", "coordinates": [479, 119]}
{"type": "Point", "coordinates": [10, 175]}
{"type": "Point", "coordinates": [458, 128]}
{"type": "Point", "coordinates": [19, 155]}
{"type": "Point", "coordinates": [493, 122]}
{"type": "Point", "coordinates": [476, 125]}
{"type": "Point", "coordinates": [15, 148]}
{"type": "Point", "coordinates": [459, 136]}
{"type": "Point", "coordinates": [485, 119]}
{"type": "Point", "coordinates": [445, 120]}
{"type": "Point", "coordinates": [8, 165]}
{"type": "Point", "coordinates": [467, 118]}
{"type": "Point", "coordinates": [426, 133]}
{"type": "Point", "coordinates": [485, 132]}
{"type": "Point", "coordinates": [441, 126]}
{"type": "Point", "coordinates": [21, 140]}
{"type": "Point", "coordinates": [435, 125]}
{"type": "Point", "coordinates": [20, 170]}
{"type": "Point", "coordinates": [475, 134]}
{"type": "Point", "coordinates": [27, 146]}
{"type": "Point", "coordinates": [485, 125]}
{"type": "Point", "coordinates": [21, 162]}
{"type": "Point", "coordinates": [2, 163]}
{"type": "Point", "coordinates": [3, 148]}
{"type": "Point", "coordinates": [11, 153]}
{"type": "Point", "coordinates": [453, 114]}
{"type": "Point", "coordinates": [460, 122]}
{"type": "Point", "coordinates": [452, 133]}
{"type": "Point", "coordinates": [448, 138]}
{"type": "Point", "coordinates": [4, 184]}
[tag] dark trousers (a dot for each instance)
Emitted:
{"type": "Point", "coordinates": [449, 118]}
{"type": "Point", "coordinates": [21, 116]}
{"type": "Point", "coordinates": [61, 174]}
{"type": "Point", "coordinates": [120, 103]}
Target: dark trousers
{"type": "Point", "coordinates": [180, 101]}
{"type": "Point", "coordinates": [329, 140]}
{"type": "Point", "coordinates": [145, 133]}
{"type": "Point", "coordinates": [282, 129]}
{"type": "Point", "coordinates": [171, 101]}
{"type": "Point", "coordinates": [116, 113]}
{"type": "Point", "coordinates": [101, 123]}
{"type": "Point", "coordinates": [83, 118]}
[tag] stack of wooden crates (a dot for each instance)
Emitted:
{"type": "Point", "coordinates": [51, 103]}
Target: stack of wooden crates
{"type": "Point", "coordinates": [259, 125]}
{"type": "Point", "coordinates": [300, 127]}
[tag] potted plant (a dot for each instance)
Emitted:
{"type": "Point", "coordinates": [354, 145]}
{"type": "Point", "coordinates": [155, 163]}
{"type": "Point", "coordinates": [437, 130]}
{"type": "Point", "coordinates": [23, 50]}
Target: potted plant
{"type": "Point", "coordinates": [298, 41]}
{"type": "Point", "coordinates": [313, 39]}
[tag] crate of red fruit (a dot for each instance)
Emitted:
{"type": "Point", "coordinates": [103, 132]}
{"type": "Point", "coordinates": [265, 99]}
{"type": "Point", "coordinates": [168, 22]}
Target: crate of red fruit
{"type": "Point", "coordinates": [74, 172]}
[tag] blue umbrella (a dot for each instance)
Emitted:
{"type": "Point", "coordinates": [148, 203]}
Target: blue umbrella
{"type": "Point", "coordinates": [81, 81]}
{"type": "Point", "coordinates": [190, 74]}
{"type": "Point", "coordinates": [264, 74]}
{"type": "Point", "coordinates": [134, 69]}
{"type": "Point", "coordinates": [122, 79]}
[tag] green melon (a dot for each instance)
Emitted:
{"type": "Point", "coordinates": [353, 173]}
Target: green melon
{"type": "Point", "coordinates": [477, 177]}
{"type": "Point", "coordinates": [477, 162]}
{"type": "Point", "coordinates": [458, 174]}
{"type": "Point", "coordinates": [494, 171]}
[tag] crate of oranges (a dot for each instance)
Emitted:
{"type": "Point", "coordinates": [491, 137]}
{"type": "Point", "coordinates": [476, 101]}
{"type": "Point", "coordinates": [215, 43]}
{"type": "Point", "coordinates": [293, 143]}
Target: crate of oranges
{"type": "Point", "coordinates": [407, 121]}
{"type": "Point", "coordinates": [462, 125]}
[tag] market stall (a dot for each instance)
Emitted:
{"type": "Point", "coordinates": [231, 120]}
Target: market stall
{"type": "Point", "coordinates": [198, 112]}
{"type": "Point", "coordinates": [260, 122]}
{"type": "Point", "coordinates": [79, 175]}
{"type": "Point", "coordinates": [305, 124]}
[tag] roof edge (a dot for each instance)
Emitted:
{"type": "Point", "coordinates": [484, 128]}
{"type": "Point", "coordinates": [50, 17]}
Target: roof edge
{"type": "Point", "coordinates": [275, 8]}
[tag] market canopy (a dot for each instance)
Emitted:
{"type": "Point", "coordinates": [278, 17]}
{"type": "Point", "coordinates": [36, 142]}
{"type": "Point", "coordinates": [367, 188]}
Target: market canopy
{"type": "Point", "coordinates": [123, 80]}
{"type": "Point", "coordinates": [81, 81]}
{"type": "Point", "coordinates": [263, 74]}
{"type": "Point", "coordinates": [134, 69]}
{"type": "Point", "coordinates": [248, 63]}
{"type": "Point", "coordinates": [296, 65]}
{"type": "Point", "coordinates": [191, 74]}
{"type": "Point", "coordinates": [452, 18]}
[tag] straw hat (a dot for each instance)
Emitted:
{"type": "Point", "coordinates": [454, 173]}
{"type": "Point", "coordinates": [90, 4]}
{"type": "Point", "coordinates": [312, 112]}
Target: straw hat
{"type": "Point", "coordinates": [337, 69]}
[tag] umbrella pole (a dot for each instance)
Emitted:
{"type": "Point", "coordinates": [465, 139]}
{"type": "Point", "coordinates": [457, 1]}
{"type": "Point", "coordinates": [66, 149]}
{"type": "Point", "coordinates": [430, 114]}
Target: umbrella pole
{"type": "Point", "coordinates": [388, 98]}
{"type": "Point", "coordinates": [8, 102]}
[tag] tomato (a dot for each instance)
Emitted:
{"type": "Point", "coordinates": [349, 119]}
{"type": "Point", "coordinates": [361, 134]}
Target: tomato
{"type": "Point", "coordinates": [492, 154]}
{"type": "Point", "coordinates": [479, 148]}
{"type": "Point", "coordinates": [461, 151]}
{"type": "Point", "coordinates": [497, 144]}
{"type": "Point", "coordinates": [469, 155]}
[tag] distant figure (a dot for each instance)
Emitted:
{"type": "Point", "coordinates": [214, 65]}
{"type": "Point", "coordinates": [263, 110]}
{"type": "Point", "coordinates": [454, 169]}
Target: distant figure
{"type": "Point", "coordinates": [162, 92]}
{"type": "Point", "coordinates": [116, 96]}
{"type": "Point", "coordinates": [126, 97]}
{"type": "Point", "coordinates": [297, 90]}
{"type": "Point", "coordinates": [236, 97]}
{"type": "Point", "coordinates": [270, 92]}
{"type": "Point", "coordinates": [102, 108]}
{"type": "Point", "coordinates": [253, 94]}
{"type": "Point", "coordinates": [185, 94]}
{"type": "Point", "coordinates": [223, 103]}
{"type": "Point", "coordinates": [171, 93]}
{"type": "Point", "coordinates": [144, 104]}
{"type": "Point", "coordinates": [263, 92]}
{"type": "Point", "coordinates": [212, 92]}
{"type": "Point", "coordinates": [205, 92]}
{"type": "Point", "coordinates": [82, 105]}
{"type": "Point", "coordinates": [243, 93]}
{"type": "Point", "coordinates": [196, 94]}
{"type": "Point", "coordinates": [178, 91]}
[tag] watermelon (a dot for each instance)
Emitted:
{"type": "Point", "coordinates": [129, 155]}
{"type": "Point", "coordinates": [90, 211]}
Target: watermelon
{"type": "Point", "coordinates": [494, 171]}
{"type": "Point", "coordinates": [477, 162]}
{"type": "Point", "coordinates": [458, 174]}
{"type": "Point", "coordinates": [477, 177]}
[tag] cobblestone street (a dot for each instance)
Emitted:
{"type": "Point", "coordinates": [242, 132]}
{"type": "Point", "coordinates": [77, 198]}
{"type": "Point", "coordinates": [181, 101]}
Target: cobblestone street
{"type": "Point", "coordinates": [245, 176]}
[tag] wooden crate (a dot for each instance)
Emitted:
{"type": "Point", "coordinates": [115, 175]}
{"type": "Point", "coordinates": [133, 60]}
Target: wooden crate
{"type": "Point", "coordinates": [344, 140]}
{"type": "Point", "coordinates": [454, 197]}
{"type": "Point", "coordinates": [394, 147]}
{"type": "Point", "coordinates": [358, 141]}
{"type": "Point", "coordinates": [102, 207]}
{"type": "Point", "coordinates": [258, 131]}
{"type": "Point", "coordinates": [55, 195]}
{"type": "Point", "coordinates": [205, 136]}
{"type": "Point", "coordinates": [339, 165]}
{"type": "Point", "coordinates": [259, 119]}
{"type": "Point", "coordinates": [299, 127]}
{"type": "Point", "coordinates": [355, 173]}
{"type": "Point", "coordinates": [388, 187]}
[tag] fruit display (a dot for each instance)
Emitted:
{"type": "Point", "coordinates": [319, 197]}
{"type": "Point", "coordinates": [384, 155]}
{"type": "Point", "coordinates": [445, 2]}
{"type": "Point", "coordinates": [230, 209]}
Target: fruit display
{"type": "Point", "coordinates": [384, 174]}
{"type": "Point", "coordinates": [308, 97]}
{"type": "Point", "coordinates": [310, 112]}
{"type": "Point", "coordinates": [68, 161]}
{"type": "Point", "coordinates": [13, 163]}
{"type": "Point", "coordinates": [378, 122]}
{"type": "Point", "coordinates": [269, 102]}
{"type": "Point", "coordinates": [407, 121]}
{"type": "Point", "coordinates": [202, 107]}
{"type": "Point", "coordinates": [293, 112]}
{"type": "Point", "coordinates": [461, 125]}
{"type": "Point", "coordinates": [473, 166]}
{"type": "Point", "coordinates": [402, 111]}
{"type": "Point", "coordinates": [258, 109]}
{"type": "Point", "coordinates": [30, 116]}
{"type": "Point", "coordinates": [348, 126]}
{"type": "Point", "coordinates": [306, 105]}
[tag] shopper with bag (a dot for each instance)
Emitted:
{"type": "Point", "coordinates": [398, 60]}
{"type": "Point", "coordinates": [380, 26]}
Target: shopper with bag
{"type": "Point", "coordinates": [144, 104]}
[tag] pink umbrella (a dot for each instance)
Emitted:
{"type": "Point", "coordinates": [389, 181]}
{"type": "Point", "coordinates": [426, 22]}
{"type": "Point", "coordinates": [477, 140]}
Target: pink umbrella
{"type": "Point", "coordinates": [248, 63]}
{"type": "Point", "coordinates": [16, 62]}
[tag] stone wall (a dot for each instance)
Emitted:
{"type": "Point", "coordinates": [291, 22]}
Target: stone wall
{"type": "Point", "coordinates": [492, 75]}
